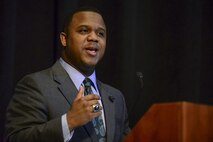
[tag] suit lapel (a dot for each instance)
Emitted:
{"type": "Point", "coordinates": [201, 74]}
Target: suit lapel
{"type": "Point", "coordinates": [66, 86]}
{"type": "Point", "coordinates": [108, 112]}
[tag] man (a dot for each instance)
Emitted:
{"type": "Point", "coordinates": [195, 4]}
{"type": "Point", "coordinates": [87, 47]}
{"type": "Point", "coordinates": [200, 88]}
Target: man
{"type": "Point", "coordinates": [51, 105]}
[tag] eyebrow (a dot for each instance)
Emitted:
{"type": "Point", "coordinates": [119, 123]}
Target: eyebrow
{"type": "Point", "coordinates": [102, 28]}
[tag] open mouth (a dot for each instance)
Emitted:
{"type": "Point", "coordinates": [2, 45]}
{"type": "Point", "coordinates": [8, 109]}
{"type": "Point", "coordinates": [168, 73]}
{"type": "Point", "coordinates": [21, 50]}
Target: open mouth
{"type": "Point", "coordinates": [92, 51]}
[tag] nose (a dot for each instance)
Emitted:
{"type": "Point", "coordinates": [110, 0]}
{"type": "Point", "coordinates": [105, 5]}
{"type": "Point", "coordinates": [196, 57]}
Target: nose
{"type": "Point", "coordinates": [92, 37]}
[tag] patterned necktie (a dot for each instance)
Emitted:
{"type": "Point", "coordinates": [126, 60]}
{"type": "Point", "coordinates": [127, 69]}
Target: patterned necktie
{"type": "Point", "coordinates": [97, 121]}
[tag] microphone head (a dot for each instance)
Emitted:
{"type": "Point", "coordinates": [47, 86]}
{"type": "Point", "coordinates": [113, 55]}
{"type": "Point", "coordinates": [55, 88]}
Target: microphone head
{"type": "Point", "coordinates": [139, 74]}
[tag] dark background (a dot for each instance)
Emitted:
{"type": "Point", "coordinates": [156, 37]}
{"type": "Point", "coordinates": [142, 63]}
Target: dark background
{"type": "Point", "coordinates": [169, 41]}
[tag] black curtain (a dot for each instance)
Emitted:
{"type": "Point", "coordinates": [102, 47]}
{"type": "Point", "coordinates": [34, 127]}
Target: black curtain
{"type": "Point", "coordinates": [170, 42]}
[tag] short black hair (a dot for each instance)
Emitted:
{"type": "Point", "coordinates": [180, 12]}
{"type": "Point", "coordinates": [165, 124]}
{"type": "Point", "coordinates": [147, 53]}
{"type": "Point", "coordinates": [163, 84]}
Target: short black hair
{"type": "Point", "coordinates": [69, 17]}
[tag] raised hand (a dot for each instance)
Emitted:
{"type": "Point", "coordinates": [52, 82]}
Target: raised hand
{"type": "Point", "coordinates": [81, 110]}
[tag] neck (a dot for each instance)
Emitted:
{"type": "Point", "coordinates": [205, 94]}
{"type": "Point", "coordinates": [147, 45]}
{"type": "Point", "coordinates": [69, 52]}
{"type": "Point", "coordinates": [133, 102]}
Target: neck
{"type": "Point", "coordinates": [85, 70]}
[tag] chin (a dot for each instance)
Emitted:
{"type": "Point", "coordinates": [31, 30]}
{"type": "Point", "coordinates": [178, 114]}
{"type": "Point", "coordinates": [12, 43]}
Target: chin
{"type": "Point", "coordinates": [92, 63]}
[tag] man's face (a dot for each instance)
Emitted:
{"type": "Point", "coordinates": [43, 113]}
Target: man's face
{"type": "Point", "coordinates": [85, 41]}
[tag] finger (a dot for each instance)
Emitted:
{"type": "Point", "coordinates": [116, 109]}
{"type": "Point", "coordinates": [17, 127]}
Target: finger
{"type": "Point", "coordinates": [95, 114]}
{"type": "Point", "coordinates": [92, 97]}
{"type": "Point", "coordinates": [92, 102]}
{"type": "Point", "coordinates": [80, 93]}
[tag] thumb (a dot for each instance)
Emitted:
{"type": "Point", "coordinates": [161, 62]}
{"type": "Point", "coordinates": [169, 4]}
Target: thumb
{"type": "Point", "coordinates": [80, 93]}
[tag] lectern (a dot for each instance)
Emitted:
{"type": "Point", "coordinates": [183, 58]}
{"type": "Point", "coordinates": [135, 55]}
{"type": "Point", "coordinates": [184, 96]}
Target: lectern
{"type": "Point", "coordinates": [174, 122]}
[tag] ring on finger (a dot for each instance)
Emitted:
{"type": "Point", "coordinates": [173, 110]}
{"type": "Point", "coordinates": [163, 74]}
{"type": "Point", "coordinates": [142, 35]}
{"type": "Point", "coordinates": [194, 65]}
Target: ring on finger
{"type": "Point", "coordinates": [96, 108]}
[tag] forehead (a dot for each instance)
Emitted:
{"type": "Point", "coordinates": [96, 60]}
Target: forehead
{"type": "Point", "coordinates": [88, 18]}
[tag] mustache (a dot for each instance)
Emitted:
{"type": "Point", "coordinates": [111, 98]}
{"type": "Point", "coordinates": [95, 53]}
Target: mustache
{"type": "Point", "coordinates": [92, 46]}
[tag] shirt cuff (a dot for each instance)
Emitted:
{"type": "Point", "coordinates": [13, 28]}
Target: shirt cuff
{"type": "Point", "coordinates": [67, 134]}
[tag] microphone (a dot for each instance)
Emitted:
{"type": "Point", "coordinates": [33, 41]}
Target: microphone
{"type": "Point", "coordinates": [140, 77]}
{"type": "Point", "coordinates": [111, 98]}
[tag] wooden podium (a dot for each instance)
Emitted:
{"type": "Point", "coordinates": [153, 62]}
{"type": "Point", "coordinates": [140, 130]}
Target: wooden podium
{"type": "Point", "coordinates": [174, 122]}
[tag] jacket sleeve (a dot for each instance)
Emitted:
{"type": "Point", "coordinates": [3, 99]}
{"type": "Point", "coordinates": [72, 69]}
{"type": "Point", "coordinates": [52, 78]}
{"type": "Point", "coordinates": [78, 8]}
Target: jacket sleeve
{"type": "Point", "coordinates": [27, 117]}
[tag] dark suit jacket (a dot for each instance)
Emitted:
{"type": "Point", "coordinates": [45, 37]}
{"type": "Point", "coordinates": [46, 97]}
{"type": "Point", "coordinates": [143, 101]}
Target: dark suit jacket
{"type": "Point", "coordinates": [40, 99]}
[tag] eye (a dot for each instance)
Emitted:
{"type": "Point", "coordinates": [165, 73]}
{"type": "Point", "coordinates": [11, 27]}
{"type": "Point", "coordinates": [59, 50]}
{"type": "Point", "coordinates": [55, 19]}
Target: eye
{"type": "Point", "coordinates": [101, 33]}
{"type": "Point", "coordinates": [83, 30]}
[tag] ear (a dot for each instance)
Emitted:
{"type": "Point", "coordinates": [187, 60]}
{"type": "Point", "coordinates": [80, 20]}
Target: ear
{"type": "Point", "coordinates": [63, 38]}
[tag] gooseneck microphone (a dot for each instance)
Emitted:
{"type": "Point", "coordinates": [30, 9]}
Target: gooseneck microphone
{"type": "Point", "coordinates": [140, 77]}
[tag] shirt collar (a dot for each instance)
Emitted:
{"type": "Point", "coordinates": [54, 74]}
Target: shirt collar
{"type": "Point", "coordinates": [76, 76]}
